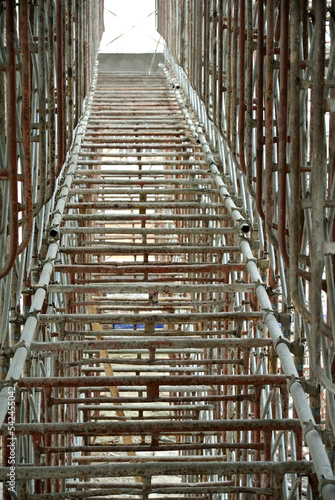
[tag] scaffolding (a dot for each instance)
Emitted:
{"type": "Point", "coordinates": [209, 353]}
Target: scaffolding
{"type": "Point", "coordinates": [167, 255]}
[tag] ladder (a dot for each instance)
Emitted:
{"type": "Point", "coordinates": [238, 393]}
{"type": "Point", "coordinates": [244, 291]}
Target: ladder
{"type": "Point", "coordinates": [161, 380]}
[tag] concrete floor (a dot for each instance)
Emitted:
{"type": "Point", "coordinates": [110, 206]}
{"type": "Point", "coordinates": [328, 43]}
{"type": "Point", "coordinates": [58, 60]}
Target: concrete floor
{"type": "Point", "coordinates": [130, 62]}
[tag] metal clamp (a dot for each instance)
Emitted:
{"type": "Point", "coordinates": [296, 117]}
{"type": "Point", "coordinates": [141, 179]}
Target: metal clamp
{"type": "Point", "coordinates": [213, 162]}
{"type": "Point", "coordinates": [7, 383]}
{"type": "Point", "coordinates": [5, 353]}
{"type": "Point", "coordinates": [10, 351]}
{"type": "Point", "coordinates": [291, 380]}
{"type": "Point", "coordinates": [56, 212]}
{"type": "Point", "coordinates": [17, 318]}
{"type": "Point", "coordinates": [34, 313]}
{"type": "Point", "coordinates": [309, 387]}
{"type": "Point", "coordinates": [224, 195]}
{"type": "Point", "coordinates": [297, 349]}
{"type": "Point", "coordinates": [323, 481]}
{"type": "Point", "coordinates": [39, 287]}
{"type": "Point", "coordinates": [310, 426]}
{"type": "Point", "coordinates": [282, 340]}
{"type": "Point", "coordinates": [251, 259]}
{"type": "Point", "coordinates": [257, 284]}
{"type": "Point", "coordinates": [49, 260]}
{"type": "Point", "coordinates": [263, 263]}
{"type": "Point", "coordinates": [17, 346]}
{"type": "Point", "coordinates": [268, 312]}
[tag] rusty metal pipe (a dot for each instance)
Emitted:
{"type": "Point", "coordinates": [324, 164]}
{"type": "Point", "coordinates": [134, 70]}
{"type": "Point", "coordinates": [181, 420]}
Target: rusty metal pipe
{"type": "Point", "coordinates": [160, 343]}
{"type": "Point", "coordinates": [249, 95]}
{"type": "Point", "coordinates": [51, 103]}
{"type": "Point", "coordinates": [269, 99]}
{"type": "Point", "coordinates": [11, 137]}
{"type": "Point", "coordinates": [318, 190]}
{"type": "Point", "coordinates": [25, 120]}
{"type": "Point", "coordinates": [139, 318]}
{"type": "Point", "coordinates": [158, 426]}
{"type": "Point", "coordinates": [259, 112]}
{"type": "Point", "coordinates": [124, 470]}
{"type": "Point", "coordinates": [282, 145]}
{"type": "Point", "coordinates": [60, 88]}
{"type": "Point", "coordinates": [241, 103]}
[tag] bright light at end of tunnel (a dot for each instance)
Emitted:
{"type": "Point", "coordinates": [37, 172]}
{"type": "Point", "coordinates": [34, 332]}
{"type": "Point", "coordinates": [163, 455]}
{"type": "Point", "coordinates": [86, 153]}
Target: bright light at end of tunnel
{"type": "Point", "coordinates": [130, 27]}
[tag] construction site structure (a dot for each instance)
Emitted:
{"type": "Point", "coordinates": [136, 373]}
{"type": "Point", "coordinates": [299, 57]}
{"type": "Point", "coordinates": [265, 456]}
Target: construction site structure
{"type": "Point", "coordinates": [167, 241]}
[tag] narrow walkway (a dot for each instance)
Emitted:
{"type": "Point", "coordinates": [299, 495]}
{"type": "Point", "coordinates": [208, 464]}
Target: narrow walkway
{"type": "Point", "coordinates": [159, 383]}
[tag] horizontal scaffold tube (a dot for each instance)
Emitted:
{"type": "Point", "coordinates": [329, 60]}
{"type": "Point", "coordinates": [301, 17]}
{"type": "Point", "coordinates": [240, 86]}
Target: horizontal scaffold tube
{"type": "Point", "coordinates": [150, 344]}
{"type": "Point", "coordinates": [155, 318]}
{"type": "Point", "coordinates": [151, 469]}
{"type": "Point", "coordinates": [153, 381]}
{"type": "Point", "coordinates": [154, 427]}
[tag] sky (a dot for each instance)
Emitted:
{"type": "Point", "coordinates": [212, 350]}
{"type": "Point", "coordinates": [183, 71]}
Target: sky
{"type": "Point", "coordinates": [130, 27]}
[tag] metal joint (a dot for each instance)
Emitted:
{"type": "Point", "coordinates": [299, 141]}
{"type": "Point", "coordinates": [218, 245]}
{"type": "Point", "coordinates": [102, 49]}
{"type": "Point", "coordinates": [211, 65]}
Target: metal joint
{"type": "Point", "coordinates": [263, 263]}
{"type": "Point", "coordinates": [309, 387]}
{"type": "Point", "coordinates": [297, 349]}
{"type": "Point", "coordinates": [257, 284]}
{"type": "Point", "coordinates": [252, 259]}
{"type": "Point", "coordinates": [34, 313]}
{"type": "Point", "coordinates": [17, 346]}
{"type": "Point", "coordinates": [323, 481]}
{"type": "Point", "coordinates": [5, 353]}
{"type": "Point", "coordinates": [49, 260]}
{"type": "Point", "coordinates": [273, 292]}
{"type": "Point", "coordinates": [40, 287]}
{"type": "Point", "coordinates": [285, 319]}
{"type": "Point", "coordinates": [224, 195]}
{"type": "Point", "coordinates": [282, 340]}
{"type": "Point", "coordinates": [291, 380]}
{"type": "Point", "coordinates": [7, 383]}
{"type": "Point", "coordinates": [268, 312]}
{"type": "Point", "coordinates": [17, 319]}
{"type": "Point", "coordinates": [309, 427]}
